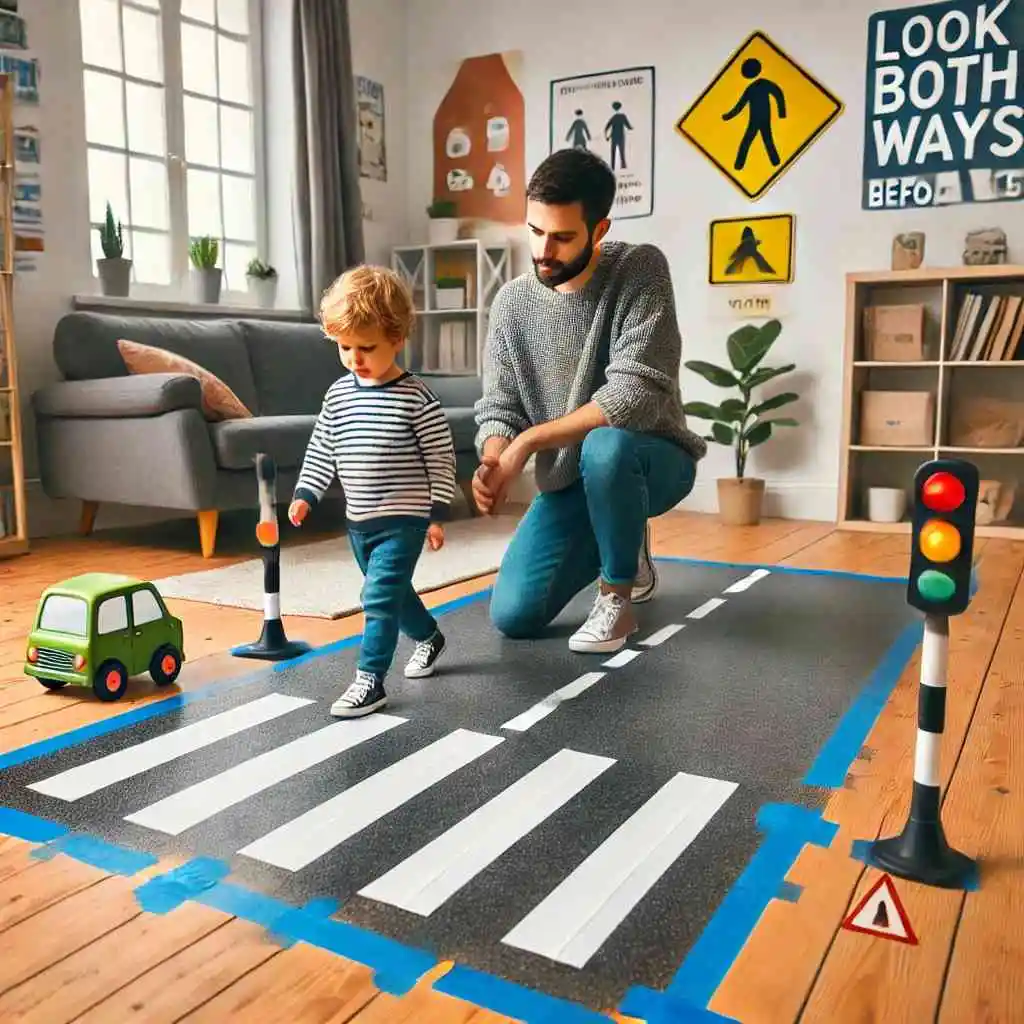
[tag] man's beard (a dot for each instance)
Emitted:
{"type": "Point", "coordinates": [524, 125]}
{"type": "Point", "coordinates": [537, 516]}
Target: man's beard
{"type": "Point", "coordinates": [564, 272]}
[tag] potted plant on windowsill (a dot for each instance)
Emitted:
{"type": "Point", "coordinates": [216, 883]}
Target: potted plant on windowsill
{"type": "Point", "coordinates": [114, 270]}
{"type": "Point", "coordinates": [740, 423]}
{"type": "Point", "coordinates": [444, 222]}
{"type": "Point", "coordinates": [206, 275]}
{"type": "Point", "coordinates": [262, 280]}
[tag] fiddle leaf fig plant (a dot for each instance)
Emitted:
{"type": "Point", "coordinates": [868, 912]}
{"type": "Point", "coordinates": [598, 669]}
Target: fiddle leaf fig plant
{"type": "Point", "coordinates": [740, 423]}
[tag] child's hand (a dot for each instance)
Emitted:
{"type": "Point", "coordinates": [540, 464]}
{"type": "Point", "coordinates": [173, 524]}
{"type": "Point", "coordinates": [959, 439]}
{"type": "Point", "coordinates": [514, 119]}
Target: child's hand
{"type": "Point", "coordinates": [297, 511]}
{"type": "Point", "coordinates": [435, 536]}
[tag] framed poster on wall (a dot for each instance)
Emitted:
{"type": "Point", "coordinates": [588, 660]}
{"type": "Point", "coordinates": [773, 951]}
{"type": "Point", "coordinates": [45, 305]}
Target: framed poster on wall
{"type": "Point", "coordinates": [611, 113]}
{"type": "Point", "coordinates": [942, 118]}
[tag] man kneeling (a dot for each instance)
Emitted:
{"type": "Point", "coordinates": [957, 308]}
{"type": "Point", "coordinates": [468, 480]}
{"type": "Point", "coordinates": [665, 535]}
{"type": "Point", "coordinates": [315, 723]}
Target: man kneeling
{"type": "Point", "coordinates": [582, 370]}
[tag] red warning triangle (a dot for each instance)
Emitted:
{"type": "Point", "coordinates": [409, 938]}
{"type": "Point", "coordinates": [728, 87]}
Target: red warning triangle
{"type": "Point", "coordinates": [881, 913]}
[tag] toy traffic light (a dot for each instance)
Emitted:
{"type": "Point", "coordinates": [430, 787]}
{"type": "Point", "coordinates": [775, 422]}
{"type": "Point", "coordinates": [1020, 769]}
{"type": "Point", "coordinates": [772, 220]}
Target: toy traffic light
{"type": "Point", "coordinates": [942, 536]}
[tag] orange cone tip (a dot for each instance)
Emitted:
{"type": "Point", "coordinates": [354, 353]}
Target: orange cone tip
{"type": "Point", "coordinates": [266, 534]}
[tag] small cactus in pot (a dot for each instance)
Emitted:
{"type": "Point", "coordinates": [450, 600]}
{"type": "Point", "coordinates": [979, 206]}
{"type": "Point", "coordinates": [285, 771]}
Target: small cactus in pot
{"type": "Point", "coordinates": [206, 275]}
{"type": "Point", "coordinates": [113, 269]}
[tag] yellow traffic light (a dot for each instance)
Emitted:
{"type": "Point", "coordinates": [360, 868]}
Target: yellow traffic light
{"type": "Point", "coordinates": [940, 541]}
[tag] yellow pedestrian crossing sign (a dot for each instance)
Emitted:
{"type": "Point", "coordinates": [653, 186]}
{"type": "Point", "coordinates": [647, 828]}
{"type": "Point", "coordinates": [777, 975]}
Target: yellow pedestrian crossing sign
{"type": "Point", "coordinates": [751, 250]}
{"type": "Point", "coordinates": [761, 112]}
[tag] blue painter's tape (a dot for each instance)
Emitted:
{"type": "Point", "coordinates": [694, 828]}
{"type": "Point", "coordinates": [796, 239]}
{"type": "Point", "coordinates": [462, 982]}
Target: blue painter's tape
{"type": "Point", "coordinates": [28, 827]}
{"type": "Point", "coordinates": [835, 757]}
{"type": "Point", "coordinates": [165, 892]}
{"type": "Point", "coordinates": [788, 828]}
{"type": "Point", "coordinates": [792, 570]}
{"type": "Point", "coordinates": [117, 860]}
{"type": "Point", "coordinates": [512, 1000]}
{"type": "Point", "coordinates": [790, 892]}
{"type": "Point", "coordinates": [661, 1008]}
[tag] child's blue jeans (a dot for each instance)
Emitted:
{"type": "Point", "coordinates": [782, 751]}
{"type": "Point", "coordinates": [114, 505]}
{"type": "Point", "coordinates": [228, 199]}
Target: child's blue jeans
{"type": "Point", "coordinates": [388, 557]}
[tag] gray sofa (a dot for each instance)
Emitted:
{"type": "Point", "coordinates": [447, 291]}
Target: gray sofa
{"type": "Point", "coordinates": [106, 436]}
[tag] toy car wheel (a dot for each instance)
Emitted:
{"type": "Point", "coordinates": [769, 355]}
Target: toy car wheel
{"type": "Point", "coordinates": [110, 681]}
{"type": "Point", "coordinates": [52, 684]}
{"type": "Point", "coordinates": [165, 665]}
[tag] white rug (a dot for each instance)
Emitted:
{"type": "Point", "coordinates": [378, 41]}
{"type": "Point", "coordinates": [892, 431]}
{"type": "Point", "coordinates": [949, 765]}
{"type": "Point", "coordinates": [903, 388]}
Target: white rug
{"type": "Point", "coordinates": [322, 579]}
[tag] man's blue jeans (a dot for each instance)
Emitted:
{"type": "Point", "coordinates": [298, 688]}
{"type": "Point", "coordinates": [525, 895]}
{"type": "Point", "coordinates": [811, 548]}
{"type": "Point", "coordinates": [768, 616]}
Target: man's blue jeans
{"type": "Point", "coordinates": [593, 528]}
{"type": "Point", "coordinates": [388, 558]}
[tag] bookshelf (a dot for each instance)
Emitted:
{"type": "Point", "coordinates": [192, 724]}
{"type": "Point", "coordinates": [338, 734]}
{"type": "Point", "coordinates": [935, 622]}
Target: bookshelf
{"type": "Point", "coordinates": [13, 529]}
{"type": "Point", "coordinates": [453, 286]}
{"type": "Point", "coordinates": [946, 355]}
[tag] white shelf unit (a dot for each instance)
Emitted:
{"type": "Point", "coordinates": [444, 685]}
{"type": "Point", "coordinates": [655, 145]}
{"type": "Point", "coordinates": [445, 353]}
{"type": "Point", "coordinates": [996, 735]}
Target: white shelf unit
{"type": "Point", "coordinates": [942, 290]}
{"type": "Point", "coordinates": [486, 268]}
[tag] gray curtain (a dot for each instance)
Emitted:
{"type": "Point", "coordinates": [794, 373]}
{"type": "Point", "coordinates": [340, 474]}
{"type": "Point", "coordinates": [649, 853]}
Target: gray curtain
{"type": "Point", "coordinates": [328, 212]}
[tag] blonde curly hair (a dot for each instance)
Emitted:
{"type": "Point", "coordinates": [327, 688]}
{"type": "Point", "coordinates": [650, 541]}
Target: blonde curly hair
{"type": "Point", "coordinates": [368, 296]}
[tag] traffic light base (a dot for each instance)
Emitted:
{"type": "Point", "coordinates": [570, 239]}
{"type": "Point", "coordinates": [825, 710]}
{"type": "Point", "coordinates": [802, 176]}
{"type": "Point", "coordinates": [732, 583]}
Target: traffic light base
{"type": "Point", "coordinates": [273, 644]}
{"type": "Point", "coordinates": [921, 854]}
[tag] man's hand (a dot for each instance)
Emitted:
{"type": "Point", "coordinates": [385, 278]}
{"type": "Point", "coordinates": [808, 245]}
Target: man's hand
{"type": "Point", "coordinates": [297, 511]}
{"type": "Point", "coordinates": [435, 536]}
{"type": "Point", "coordinates": [488, 488]}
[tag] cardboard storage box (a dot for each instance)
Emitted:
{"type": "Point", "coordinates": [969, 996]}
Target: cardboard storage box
{"type": "Point", "coordinates": [894, 334]}
{"type": "Point", "coordinates": [902, 418]}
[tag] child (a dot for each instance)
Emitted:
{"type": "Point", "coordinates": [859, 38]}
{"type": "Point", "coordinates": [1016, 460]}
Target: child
{"type": "Point", "coordinates": [384, 434]}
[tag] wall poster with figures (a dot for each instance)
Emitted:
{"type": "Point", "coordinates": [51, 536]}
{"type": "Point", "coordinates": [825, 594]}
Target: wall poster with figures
{"type": "Point", "coordinates": [942, 121]}
{"type": "Point", "coordinates": [611, 114]}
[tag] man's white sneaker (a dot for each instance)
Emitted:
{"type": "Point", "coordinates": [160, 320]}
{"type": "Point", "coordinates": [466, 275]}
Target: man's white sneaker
{"type": "Point", "coordinates": [609, 625]}
{"type": "Point", "coordinates": [646, 582]}
{"type": "Point", "coordinates": [364, 695]}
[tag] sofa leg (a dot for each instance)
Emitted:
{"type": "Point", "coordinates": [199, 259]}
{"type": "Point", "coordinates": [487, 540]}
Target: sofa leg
{"type": "Point", "coordinates": [466, 486]}
{"type": "Point", "coordinates": [207, 530]}
{"type": "Point", "coordinates": [88, 517]}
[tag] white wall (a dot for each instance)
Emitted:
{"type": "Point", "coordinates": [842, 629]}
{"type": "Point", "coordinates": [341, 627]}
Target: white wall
{"type": "Point", "coordinates": [687, 43]}
{"type": "Point", "coordinates": [43, 296]}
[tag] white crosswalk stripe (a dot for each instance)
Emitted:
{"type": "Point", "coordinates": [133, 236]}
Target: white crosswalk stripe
{"type": "Point", "coordinates": [140, 757]}
{"type": "Point", "coordinates": [579, 915]}
{"type": "Point", "coordinates": [188, 807]}
{"type": "Point", "coordinates": [322, 828]}
{"type": "Point", "coordinates": [747, 582]}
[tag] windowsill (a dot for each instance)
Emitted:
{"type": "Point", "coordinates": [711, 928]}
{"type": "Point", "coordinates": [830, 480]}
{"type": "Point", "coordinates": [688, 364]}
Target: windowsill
{"type": "Point", "coordinates": [227, 310]}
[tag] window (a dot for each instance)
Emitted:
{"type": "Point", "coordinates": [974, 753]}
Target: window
{"type": "Point", "coordinates": [63, 614]}
{"type": "Point", "coordinates": [112, 616]}
{"type": "Point", "coordinates": [145, 608]}
{"type": "Point", "coordinates": [172, 127]}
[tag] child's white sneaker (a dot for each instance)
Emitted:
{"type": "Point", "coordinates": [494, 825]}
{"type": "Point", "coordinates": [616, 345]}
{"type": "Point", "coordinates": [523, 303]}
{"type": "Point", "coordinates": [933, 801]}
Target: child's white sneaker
{"type": "Point", "coordinates": [364, 695]}
{"type": "Point", "coordinates": [421, 664]}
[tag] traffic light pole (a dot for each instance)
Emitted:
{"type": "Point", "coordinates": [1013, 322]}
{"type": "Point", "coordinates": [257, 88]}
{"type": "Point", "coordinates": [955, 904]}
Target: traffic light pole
{"type": "Point", "coordinates": [273, 644]}
{"type": "Point", "coordinates": [921, 852]}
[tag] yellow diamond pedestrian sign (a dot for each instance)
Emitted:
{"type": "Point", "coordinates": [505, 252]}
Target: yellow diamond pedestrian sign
{"type": "Point", "coordinates": [751, 250]}
{"type": "Point", "coordinates": [761, 112]}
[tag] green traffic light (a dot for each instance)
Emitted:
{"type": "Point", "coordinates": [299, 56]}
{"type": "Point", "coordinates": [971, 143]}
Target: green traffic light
{"type": "Point", "coordinates": [935, 586]}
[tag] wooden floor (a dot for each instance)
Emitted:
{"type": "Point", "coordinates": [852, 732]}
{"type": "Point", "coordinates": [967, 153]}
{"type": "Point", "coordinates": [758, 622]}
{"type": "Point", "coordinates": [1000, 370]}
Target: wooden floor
{"type": "Point", "coordinates": [74, 944]}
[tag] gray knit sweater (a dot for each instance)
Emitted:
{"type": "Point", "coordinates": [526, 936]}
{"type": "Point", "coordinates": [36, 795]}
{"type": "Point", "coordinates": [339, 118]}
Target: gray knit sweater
{"type": "Point", "coordinates": [543, 354]}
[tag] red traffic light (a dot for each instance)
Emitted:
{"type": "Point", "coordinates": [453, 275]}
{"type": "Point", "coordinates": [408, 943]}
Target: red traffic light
{"type": "Point", "coordinates": [943, 492]}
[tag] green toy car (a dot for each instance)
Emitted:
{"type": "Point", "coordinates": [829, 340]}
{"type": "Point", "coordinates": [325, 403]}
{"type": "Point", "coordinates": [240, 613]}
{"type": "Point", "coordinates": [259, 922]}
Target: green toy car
{"type": "Point", "coordinates": [99, 630]}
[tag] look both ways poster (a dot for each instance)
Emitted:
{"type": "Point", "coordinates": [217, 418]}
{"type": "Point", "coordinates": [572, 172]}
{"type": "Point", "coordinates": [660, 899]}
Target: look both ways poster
{"type": "Point", "coordinates": [944, 111]}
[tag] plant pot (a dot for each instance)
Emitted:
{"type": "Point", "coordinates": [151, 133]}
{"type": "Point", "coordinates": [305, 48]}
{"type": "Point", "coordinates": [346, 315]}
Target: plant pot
{"type": "Point", "coordinates": [443, 230]}
{"type": "Point", "coordinates": [263, 290]}
{"type": "Point", "coordinates": [740, 500]}
{"type": "Point", "coordinates": [115, 275]}
{"type": "Point", "coordinates": [206, 285]}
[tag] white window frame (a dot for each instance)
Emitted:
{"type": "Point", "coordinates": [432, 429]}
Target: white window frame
{"type": "Point", "coordinates": [180, 288]}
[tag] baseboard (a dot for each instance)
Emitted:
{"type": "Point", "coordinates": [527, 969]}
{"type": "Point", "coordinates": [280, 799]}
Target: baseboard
{"type": "Point", "coordinates": [783, 499]}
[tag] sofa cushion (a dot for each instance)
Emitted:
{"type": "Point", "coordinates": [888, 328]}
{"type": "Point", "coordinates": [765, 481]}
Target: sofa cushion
{"type": "Point", "coordinates": [293, 365]}
{"type": "Point", "coordinates": [85, 347]}
{"type": "Point", "coordinates": [236, 443]}
{"type": "Point", "coordinates": [219, 402]}
{"type": "Point", "coordinates": [463, 427]}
